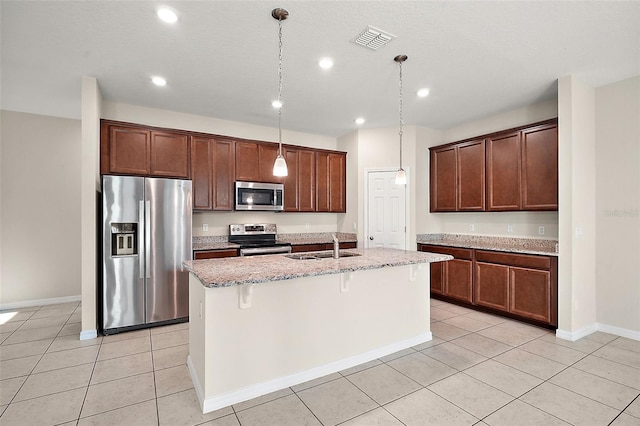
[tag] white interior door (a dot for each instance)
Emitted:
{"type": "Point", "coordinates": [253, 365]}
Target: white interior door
{"type": "Point", "coordinates": [386, 224]}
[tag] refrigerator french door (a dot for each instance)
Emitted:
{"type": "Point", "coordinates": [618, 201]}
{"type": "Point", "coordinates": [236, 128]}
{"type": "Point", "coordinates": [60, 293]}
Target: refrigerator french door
{"type": "Point", "coordinates": [147, 236]}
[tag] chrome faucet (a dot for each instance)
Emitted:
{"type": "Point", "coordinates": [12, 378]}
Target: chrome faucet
{"type": "Point", "coordinates": [336, 247]}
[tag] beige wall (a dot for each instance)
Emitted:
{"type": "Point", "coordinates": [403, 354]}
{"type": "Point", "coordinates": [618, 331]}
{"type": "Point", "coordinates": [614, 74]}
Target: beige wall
{"type": "Point", "coordinates": [40, 208]}
{"type": "Point", "coordinates": [576, 163]}
{"type": "Point", "coordinates": [91, 187]}
{"type": "Point", "coordinates": [618, 204]}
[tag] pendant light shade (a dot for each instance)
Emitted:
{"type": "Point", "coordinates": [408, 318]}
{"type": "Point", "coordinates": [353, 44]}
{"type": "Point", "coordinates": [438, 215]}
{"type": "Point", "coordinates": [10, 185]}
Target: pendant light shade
{"type": "Point", "coordinates": [401, 175]}
{"type": "Point", "coordinates": [280, 165]}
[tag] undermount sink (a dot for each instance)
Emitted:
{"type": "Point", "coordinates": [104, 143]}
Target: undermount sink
{"type": "Point", "coordinates": [320, 255]}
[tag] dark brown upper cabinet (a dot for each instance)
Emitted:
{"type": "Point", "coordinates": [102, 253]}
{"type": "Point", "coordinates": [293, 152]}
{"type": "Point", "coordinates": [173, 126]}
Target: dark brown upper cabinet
{"type": "Point", "coordinates": [143, 151]}
{"type": "Point", "coordinates": [331, 172]}
{"type": "Point", "coordinates": [503, 172]}
{"type": "Point", "coordinates": [300, 184]}
{"type": "Point", "coordinates": [212, 173]}
{"type": "Point", "coordinates": [254, 161]}
{"type": "Point", "coordinates": [540, 168]}
{"type": "Point", "coordinates": [457, 177]}
{"type": "Point", "coordinates": [517, 169]}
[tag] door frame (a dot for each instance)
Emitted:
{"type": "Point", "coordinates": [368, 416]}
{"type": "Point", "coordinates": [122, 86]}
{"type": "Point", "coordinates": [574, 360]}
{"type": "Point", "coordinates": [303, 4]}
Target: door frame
{"type": "Point", "coordinates": [407, 202]}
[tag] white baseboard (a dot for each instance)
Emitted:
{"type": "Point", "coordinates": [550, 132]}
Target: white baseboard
{"type": "Point", "coordinates": [586, 331]}
{"type": "Point", "coordinates": [214, 403]}
{"type": "Point", "coordinates": [618, 331]}
{"type": "Point", "coordinates": [88, 334]}
{"type": "Point", "coordinates": [40, 302]}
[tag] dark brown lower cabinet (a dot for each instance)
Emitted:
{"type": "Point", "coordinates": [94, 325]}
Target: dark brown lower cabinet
{"type": "Point", "coordinates": [214, 254]}
{"type": "Point", "coordinates": [521, 286]}
{"type": "Point", "coordinates": [300, 248]}
{"type": "Point", "coordinates": [454, 278]}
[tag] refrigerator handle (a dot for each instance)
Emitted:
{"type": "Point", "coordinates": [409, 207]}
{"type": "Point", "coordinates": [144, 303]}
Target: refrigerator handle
{"type": "Point", "coordinates": [147, 238]}
{"type": "Point", "coordinates": [141, 233]}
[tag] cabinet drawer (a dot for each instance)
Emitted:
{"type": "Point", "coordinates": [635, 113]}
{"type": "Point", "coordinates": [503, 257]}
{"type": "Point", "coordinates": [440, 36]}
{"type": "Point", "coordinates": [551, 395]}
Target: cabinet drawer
{"type": "Point", "coordinates": [214, 254]}
{"type": "Point", "coordinates": [300, 248]}
{"type": "Point", "coordinates": [521, 260]}
{"type": "Point", "coordinates": [458, 253]}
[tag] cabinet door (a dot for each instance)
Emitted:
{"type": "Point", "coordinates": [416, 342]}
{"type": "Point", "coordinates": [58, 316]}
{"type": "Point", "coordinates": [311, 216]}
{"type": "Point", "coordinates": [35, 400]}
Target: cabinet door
{"type": "Point", "coordinates": [530, 293]}
{"type": "Point", "coordinates": [224, 160]}
{"type": "Point", "coordinates": [540, 168]}
{"type": "Point", "coordinates": [291, 201]}
{"type": "Point", "coordinates": [202, 172]}
{"type": "Point", "coordinates": [247, 161]}
{"type": "Point", "coordinates": [337, 183]}
{"type": "Point", "coordinates": [491, 287]}
{"type": "Point", "coordinates": [437, 277]}
{"type": "Point", "coordinates": [503, 172]}
{"type": "Point", "coordinates": [215, 254]}
{"type": "Point", "coordinates": [443, 180]}
{"type": "Point", "coordinates": [267, 154]}
{"type": "Point", "coordinates": [322, 182]}
{"type": "Point", "coordinates": [458, 279]}
{"type": "Point", "coordinates": [128, 151]}
{"type": "Point", "coordinates": [169, 155]}
{"type": "Point", "coordinates": [470, 176]}
{"type": "Point", "coordinates": [306, 180]}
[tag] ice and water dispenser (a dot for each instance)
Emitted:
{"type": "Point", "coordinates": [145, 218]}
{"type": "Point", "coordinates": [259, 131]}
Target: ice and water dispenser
{"type": "Point", "coordinates": [124, 239]}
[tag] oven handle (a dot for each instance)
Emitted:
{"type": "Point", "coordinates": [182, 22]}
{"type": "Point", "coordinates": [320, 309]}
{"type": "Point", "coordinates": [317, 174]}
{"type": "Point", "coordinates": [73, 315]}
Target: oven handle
{"type": "Point", "coordinates": [253, 251]}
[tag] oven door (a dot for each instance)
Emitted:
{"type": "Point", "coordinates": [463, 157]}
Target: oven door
{"type": "Point", "coordinates": [256, 251]}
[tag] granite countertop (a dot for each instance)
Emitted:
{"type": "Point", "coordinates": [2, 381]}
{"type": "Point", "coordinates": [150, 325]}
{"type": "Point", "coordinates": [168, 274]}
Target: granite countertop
{"type": "Point", "coordinates": [232, 271]}
{"type": "Point", "coordinates": [505, 244]}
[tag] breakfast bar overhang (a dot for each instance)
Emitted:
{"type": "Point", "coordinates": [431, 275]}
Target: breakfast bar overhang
{"type": "Point", "coordinates": [260, 324]}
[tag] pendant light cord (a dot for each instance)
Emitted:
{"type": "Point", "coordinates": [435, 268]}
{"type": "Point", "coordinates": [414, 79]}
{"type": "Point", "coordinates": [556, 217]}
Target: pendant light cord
{"type": "Point", "coordinates": [401, 121]}
{"type": "Point", "coordinates": [280, 86]}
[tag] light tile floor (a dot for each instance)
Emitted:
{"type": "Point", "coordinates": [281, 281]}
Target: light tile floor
{"type": "Point", "coordinates": [479, 369]}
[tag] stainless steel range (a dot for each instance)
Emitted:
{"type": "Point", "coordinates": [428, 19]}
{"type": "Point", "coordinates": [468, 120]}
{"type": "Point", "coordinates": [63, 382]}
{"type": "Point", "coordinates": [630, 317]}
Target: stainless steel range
{"type": "Point", "coordinates": [257, 238]}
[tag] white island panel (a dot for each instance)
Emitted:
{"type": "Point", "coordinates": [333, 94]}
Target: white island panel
{"type": "Point", "coordinates": [251, 339]}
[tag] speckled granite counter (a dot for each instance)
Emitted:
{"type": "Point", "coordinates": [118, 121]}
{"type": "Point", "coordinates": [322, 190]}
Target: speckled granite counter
{"type": "Point", "coordinates": [505, 244]}
{"type": "Point", "coordinates": [257, 269]}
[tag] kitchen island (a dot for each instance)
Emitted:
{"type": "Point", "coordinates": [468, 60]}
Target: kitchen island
{"type": "Point", "coordinates": [263, 323]}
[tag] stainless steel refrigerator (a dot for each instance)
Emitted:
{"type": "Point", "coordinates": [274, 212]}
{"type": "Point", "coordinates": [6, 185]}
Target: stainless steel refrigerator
{"type": "Point", "coordinates": [147, 236]}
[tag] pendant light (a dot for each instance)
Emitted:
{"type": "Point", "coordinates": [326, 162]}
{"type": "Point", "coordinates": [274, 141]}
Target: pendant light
{"type": "Point", "coordinates": [280, 165]}
{"type": "Point", "coordinates": [401, 176]}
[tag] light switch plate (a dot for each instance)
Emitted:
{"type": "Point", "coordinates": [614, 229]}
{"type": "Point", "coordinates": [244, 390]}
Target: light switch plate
{"type": "Point", "coordinates": [205, 227]}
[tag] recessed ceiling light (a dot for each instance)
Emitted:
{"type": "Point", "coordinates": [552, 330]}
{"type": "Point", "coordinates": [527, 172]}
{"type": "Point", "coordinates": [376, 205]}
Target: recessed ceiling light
{"type": "Point", "coordinates": [276, 104]}
{"type": "Point", "coordinates": [159, 81]}
{"type": "Point", "coordinates": [167, 15]}
{"type": "Point", "coordinates": [423, 92]}
{"type": "Point", "coordinates": [325, 63]}
{"type": "Point", "coordinates": [359, 120]}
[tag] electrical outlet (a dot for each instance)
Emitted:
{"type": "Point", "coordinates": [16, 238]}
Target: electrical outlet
{"type": "Point", "coordinates": [509, 228]}
{"type": "Point", "coordinates": [540, 230]}
{"type": "Point", "coordinates": [205, 227]}
{"type": "Point", "coordinates": [579, 231]}
{"type": "Point", "coordinates": [307, 226]}
{"type": "Point", "coordinates": [355, 226]}
{"type": "Point", "coordinates": [472, 227]}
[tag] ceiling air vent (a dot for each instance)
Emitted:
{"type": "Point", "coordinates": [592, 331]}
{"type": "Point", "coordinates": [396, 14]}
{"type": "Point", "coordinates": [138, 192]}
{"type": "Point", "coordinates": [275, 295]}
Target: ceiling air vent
{"type": "Point", "coordinates": [373, 38]}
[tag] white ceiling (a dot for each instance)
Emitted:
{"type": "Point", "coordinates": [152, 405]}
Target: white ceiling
{"type": "Point", "coordinates": [220, 59]}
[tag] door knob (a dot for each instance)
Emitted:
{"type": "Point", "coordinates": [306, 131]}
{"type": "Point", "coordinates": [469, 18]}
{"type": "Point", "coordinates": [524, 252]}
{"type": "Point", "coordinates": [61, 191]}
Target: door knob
{"type": "Point", "coordinates": [371, 238]}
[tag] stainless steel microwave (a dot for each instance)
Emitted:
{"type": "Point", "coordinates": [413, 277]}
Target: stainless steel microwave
{"type": "Point", "coordinates": [259, 196]}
